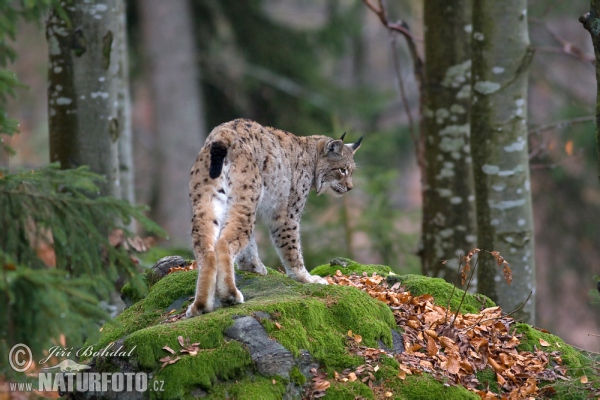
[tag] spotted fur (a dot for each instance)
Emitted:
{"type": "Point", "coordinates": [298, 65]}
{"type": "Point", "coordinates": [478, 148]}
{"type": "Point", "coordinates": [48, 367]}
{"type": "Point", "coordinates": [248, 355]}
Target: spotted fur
{"type": "Point", "coordinates": [246, 170]}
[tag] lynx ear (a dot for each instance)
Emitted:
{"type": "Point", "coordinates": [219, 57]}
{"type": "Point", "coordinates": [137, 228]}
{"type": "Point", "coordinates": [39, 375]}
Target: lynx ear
{"type": "Point", "coordinates": [343, 136]}
{"type": "Point", "coordinates": [335, 147]}
{"type": "Point", "coordinates": [354, 146]}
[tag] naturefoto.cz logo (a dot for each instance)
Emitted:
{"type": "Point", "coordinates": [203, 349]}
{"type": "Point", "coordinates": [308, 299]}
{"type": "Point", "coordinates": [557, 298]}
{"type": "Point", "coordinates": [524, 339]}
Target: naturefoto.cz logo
{"type": "Point", "coordinates": [70, 376]}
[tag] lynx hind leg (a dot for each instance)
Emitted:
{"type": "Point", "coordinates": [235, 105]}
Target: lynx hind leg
{"type": "Point", "coordinates": [204, 235]}
{"type": "Point", "coordinates": [248, 259]}
{"type": "Point", "coordinates": [204, 300]}
{"type": "Point", "coordinates": [239, 226]}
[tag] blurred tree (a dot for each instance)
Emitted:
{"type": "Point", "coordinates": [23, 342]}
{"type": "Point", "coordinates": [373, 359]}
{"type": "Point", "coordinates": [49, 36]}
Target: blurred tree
{"type": "Point", "coordinates": [83, 74]}
{"type": "Point", "coordinates": [591, 22]}
{"type": "Point", "coordinates": [125, 143]}
{"type": "Point", "coordinates": [448, 226]}
{"type": "Point", "coordinates": [178, 112]}
{"type": "Point", "coordinates": [501, 57]}
{"type": "Point", "coordinates": [10, 13]}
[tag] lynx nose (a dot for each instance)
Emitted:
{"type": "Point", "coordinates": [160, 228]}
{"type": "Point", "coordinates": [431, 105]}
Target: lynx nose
{"type": "Point", "coordinates": [349, 186]}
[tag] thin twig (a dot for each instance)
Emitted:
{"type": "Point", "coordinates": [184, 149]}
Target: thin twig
{"type": "Point", "coordinates": [466, 288]}
{"type": "Point", "coordinates": [401, 28]}
{"type": "Point", "coordinates": [453, 289]}
{"type": "Point", "coordinates": [521, 306]}
{"type": "Point", "coordinates": [561, 124]}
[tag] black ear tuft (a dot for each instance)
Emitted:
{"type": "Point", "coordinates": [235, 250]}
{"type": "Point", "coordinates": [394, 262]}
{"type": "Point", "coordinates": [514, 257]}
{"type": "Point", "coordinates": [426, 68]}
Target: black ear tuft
{"type": "Point", "coordinates": [343, 136]}
{"type": "Point", "coordinates": [356, 145]}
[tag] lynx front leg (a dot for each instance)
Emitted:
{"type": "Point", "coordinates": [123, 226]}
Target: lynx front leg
{"type": "Point", "coordinates": [248, 259]}
{"type": "Point", "coordinates": [286, 239]}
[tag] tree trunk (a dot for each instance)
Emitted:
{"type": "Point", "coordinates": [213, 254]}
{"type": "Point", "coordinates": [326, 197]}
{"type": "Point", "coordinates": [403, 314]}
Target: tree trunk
{"type": "Point", "coordinates": [82, 94]}
{"type": "Point", "coordinates": [448, 228]}
{"type": "Point", "coordinates": [178, 112]}
{"type": "Point", "coordinates": [125, 143]}
{"type": "Point", "coordinates": [501, 58]}
{"type": "Point", "coordinates": [591, 22]}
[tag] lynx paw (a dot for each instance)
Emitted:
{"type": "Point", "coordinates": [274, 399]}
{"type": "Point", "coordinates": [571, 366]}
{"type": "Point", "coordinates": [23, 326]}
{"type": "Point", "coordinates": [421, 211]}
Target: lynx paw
{"type": "Point", "coordinates": [230, 299]}
{"type": "Point", "coordinates": [195, 310]}
{"type": "Point", "coordinates": [314, 279]}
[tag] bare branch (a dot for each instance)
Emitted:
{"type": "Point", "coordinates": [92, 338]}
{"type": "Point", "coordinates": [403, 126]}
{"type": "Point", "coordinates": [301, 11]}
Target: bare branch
{"type": "Point", "coordinates": [561, 124]}
{"type": "Point", "coordinates": [402, 28]}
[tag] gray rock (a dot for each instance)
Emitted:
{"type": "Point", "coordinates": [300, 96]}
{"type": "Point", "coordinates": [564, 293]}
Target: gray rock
{"type": "Point", "coordinates": [397, 344]}
{"type": "Point", "coordinates": [269, 356]}
{"type": "Point", "coordinates": [162, 266]}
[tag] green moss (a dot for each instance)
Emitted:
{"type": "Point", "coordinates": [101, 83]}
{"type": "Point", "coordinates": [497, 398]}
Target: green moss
{"type": "Point", "coordinates": [252, 388]}
{"type": "Point", "coordinates": [572, 359]}
{"type": "Point", "coordinates": [297, 377]}
{"type": "Point", "coordinates": [424, 387]}
{"type": "Point", "coordinates": [576, 362]}
{"type": "Point", "coordinates": [442, 292]}
{"type": "Point", "coordinates": [487, 378]}
{"type": "Point", "coordinates": [135, 293]}
{"type": "Point", "coordinates": [350, 267]}
{"type": "Point", "coordinates": [304, 316]}
{"type": "Point", "coordinates": [348, 390]}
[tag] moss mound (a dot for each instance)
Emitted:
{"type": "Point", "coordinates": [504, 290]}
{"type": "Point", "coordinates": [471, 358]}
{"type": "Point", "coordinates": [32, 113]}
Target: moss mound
{"type": "Point", "coordinates": [443, 292]}
{"type": "Point", "coordinates": [347, 267]}
{"type": "Point", "coordinates": [307, 319]}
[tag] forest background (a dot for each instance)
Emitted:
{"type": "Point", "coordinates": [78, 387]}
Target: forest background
{"type": "Point", "coordinates": [326, 67]}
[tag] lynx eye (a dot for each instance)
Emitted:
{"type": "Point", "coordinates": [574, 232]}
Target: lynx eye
{"type": "Point", "coordinates": [343, 171]}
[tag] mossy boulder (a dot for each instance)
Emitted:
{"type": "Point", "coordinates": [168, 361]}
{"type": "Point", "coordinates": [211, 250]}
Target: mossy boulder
{"type": "Point", "coordinates": [267, 347]}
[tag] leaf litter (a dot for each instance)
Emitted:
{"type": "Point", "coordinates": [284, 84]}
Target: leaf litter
{"type": "Point", "coordinates": [450, 352]}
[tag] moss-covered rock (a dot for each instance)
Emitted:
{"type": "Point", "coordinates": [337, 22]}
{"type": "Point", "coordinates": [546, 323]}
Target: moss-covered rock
{"type": "Point", "coordinates": [444, 293]}
{"type": "Point", "coordinates": [308, 323]}
{"type": "Point", "coordinates": [347, 267]}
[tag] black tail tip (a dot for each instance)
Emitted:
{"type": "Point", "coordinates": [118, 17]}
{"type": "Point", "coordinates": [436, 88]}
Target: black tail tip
{"type": "Point", "coordinates": [218, 152]}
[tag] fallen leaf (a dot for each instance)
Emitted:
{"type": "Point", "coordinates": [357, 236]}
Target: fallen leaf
{"type": "Point", "coordinates": [278, 325]}
{"type": "Point", "coordinates": [583, 379]}
{"type": "Point", "coordinates": [352, 376]}
{"type": "Point", "coordinates": [569, 147]}
{"type": "Point", "coordinates": [170, 350]}
{"type": "Point", "coordinates": [544, 343]}
{"type": "Point", "coordinates": [180, 340]}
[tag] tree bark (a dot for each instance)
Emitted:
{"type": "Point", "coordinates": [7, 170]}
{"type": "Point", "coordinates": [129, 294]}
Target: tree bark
{"type": "Point", "coordinates": [501, 58]}
{"type": "Point", "coordinates": [125, 143]}
{"type": "Point", "coordinates": [168, 37]}
{"type": "Point", "coordinates": [591, 22]}
{"type": "Point", "coordinates": [82, 93]}
{"type": "Point", "coordinates": [448, 227]}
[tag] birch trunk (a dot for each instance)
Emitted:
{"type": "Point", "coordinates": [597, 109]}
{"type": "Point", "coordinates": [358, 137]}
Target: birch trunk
{"type": "Point", "coordinates": [448, 228]}
{"type": "Point", "coordinates": [82, 92]}
{"type": "Point", "coordinates": [168, 36]}
{"type": "Point", "coordinates": [501, 57]}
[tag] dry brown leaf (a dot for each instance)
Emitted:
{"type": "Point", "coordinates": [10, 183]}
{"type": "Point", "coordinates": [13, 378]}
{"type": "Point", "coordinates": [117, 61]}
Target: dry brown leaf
{"type": "Point", "coordinates": [278, 325]}
{"type": "Point", "coordinates": [351, 376]}
{"type": "Point", "coordinates": [507, 274]}
{"type": "Point", "coordinates": [544, 343]}
{"type": "Point", "coordinates": [170, 350]}
{"type": "Point", "coordinates": [180, 340]}
{"type": "Point", "coordinates": [432, 349]}
{"type": "Point", "coordinates": [583, 379]}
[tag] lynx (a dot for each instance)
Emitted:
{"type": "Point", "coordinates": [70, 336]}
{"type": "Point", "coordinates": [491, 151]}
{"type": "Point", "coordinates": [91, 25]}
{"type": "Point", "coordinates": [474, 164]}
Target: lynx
{"type": "Point", "coordinates": [247, 170]}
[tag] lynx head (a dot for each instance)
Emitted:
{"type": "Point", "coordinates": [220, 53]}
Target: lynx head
{"type": "Point", "coordinates": [335, 164]}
